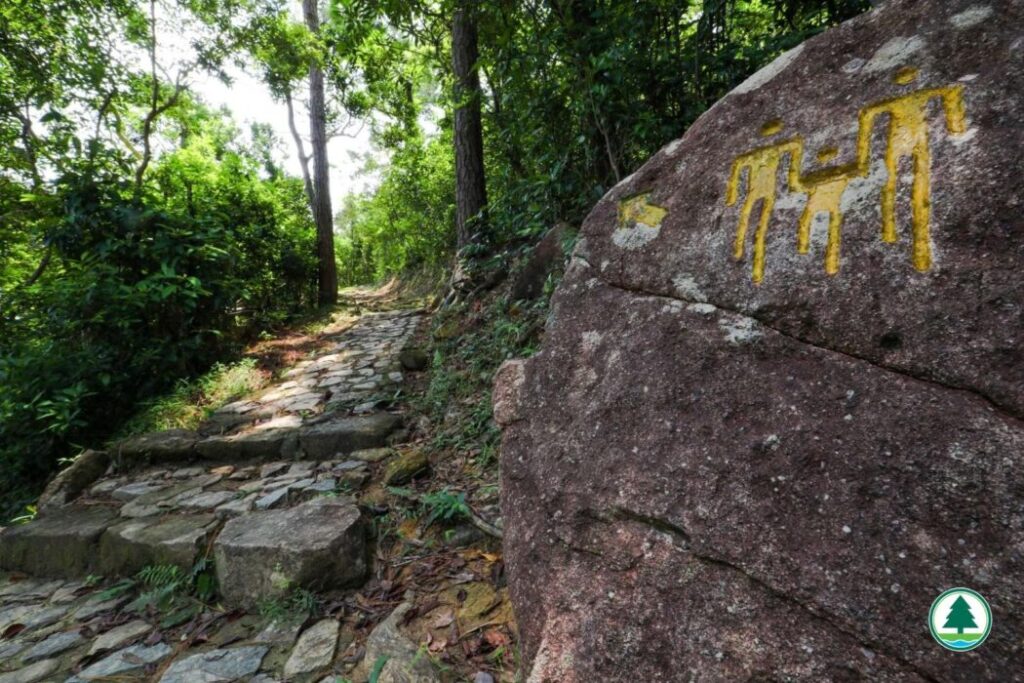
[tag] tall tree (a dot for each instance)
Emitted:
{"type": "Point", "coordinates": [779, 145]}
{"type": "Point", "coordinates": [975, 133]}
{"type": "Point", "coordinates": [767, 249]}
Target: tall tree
{"type": "Point", "coordinates": [470, 182]}
{"type": "Point", "coordinates": [323, 216]}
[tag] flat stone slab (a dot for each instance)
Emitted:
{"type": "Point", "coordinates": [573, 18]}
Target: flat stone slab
{"type": "Point", "coordinates": [314, 650]}
{"type": "Point", "coordinates": [116, 637]}
{"type": "Point", "coordinates": [52, 646]}
{"type": "Point", "coordinates": [216, 665]}
{"type": "Point", "coordinates": [317, 545]}
{"type": "Point", "coordinates": [176, 540]}
{"type": "Point", "coordinates": [32, 673]}
{"type": "Point", "coordinates": [347, 434]}
{"type": "Point", "coordinates": [61, 544]}
{"type": "Point", "coordinates": [124, 662]}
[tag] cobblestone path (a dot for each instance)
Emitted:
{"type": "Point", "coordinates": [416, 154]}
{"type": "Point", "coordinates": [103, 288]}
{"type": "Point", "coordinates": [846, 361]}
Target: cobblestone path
{"type": "Point", "coordinates": [263, 497]}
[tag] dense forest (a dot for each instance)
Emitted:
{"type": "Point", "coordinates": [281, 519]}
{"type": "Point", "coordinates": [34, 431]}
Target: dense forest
{"type": "Point", "coordinates": [145, 235]}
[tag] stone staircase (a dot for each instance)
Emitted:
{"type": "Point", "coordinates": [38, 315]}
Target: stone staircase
{"type": "Point", "coordinates": [266, 489]}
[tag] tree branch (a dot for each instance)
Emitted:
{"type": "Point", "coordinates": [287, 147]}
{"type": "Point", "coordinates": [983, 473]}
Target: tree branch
{"type": "Point", "coordinates": [301, 149]}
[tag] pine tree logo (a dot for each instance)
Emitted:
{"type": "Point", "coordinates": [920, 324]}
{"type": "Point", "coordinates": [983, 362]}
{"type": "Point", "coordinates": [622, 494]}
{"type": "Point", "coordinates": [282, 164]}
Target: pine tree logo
{"type": "Point", "coordinates": [960, 619]}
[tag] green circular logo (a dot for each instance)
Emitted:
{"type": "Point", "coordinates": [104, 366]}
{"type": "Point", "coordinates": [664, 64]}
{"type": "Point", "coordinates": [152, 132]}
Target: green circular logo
{"type": "Point", "coordinates": [960, 619]}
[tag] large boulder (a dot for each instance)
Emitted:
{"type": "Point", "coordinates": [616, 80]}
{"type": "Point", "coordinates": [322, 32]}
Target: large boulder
{"type": "Point", "coordinates": [762, 454]}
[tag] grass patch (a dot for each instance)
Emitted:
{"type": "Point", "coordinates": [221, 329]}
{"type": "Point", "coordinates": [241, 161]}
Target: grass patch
{"type": "Point", "coordinates": [193, 401]}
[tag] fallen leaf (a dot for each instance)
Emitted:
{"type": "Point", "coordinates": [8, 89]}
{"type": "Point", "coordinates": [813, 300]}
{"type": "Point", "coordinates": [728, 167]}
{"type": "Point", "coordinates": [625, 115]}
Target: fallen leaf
{"type": "Point", "coordinates": [225, 471]}
{"type": "Point", "coordinates": [12, 630]}
{"type": "Point", "coordinates": [496, 638]}
{"type": "Point", "coordinates": [443, 620]}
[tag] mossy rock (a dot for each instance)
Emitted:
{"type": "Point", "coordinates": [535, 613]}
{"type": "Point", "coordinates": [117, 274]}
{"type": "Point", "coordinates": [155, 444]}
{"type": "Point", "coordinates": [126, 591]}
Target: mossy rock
{"type": "Point", "coordinates": [405, 467]}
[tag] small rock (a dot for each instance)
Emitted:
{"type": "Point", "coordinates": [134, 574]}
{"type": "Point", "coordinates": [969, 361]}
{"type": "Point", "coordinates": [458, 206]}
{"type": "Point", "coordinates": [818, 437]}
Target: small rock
{"type": "Point", "coordinates": [322, 486]}
{"type": "Point", "coordinates": [106, 486]}
{"type": "Point", "coordinates": [413, 359]}
{"type": "Point", "coordinates": [216, 665]}
{"type": "Point", "coordinates": [372, 454]}
{"type": "Point", "coordinates": [315, 649]}
{"type": "Point", "coordinates": [365, 408]}
{"type": "Point", "coordinates": [483, 677]}
{"type": "Point", "coordinates": [28, 590]}
{"type": "Point", "coordinates": [301, 469]}
{"type": "Point", "coordinates": [32, 673]}
{"type": "Point", "coordinates": [13, 615]}
{"type": "Point", "coordinates": [54, 645]}
{"type": "Point", "coordinates": [272, 469]}
{"type": "Point", "coordinates": [406, 466]}
{"type": "Point", "coordinates": [236, 507]}
{"type": "Point", "coordinates": [187, 473]}
{"type": "Point", "coordinates": [243, 474]}
{"type": "Point", "coordinates": [272, 499]}
{"type": "Point", "coordinates": [253, 486]}
{"type": "Point", "coordinates": [117, 637]}
{"type": "Point", "coordinates": [207, 500]}
{"type": "Point", "coordinates": [91, 608]}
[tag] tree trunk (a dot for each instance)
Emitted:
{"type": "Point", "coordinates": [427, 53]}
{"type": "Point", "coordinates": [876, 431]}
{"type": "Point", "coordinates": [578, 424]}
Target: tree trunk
{"type": "Point", "coordinates": [321, 205]}
{"type": "Point", "coordinates": [470, 184]}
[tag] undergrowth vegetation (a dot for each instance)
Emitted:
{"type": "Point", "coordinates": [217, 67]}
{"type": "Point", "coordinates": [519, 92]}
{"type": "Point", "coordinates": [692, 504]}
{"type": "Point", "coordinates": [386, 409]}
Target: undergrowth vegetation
{"type": "Point", "coordinates": [469, 341]}
{"type": "Point", "coordinates": [193, 400]}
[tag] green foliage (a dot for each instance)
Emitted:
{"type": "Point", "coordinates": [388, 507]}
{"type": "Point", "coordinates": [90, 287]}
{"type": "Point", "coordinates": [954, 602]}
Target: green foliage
{"type": "Point", "coordinates": [378, 667]}
{"type": "Point", "coordinates": [470, 342]}
{"type": "Point", "coordinates": [167, 591]}
{"type": "Point", "coordinates": [294, 605]}
{"type": "Point", "coordinates": [408, 223]}
{"type": "Point", "coordinates": [110, 294]}
{"type": "Point", "coordinates": [577, 96]}
{"type": "Point", "coordinates": [444, 505]}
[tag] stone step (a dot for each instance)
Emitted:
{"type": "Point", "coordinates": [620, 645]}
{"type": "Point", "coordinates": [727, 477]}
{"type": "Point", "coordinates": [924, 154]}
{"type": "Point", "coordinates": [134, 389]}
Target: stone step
{"type": "Point", "coordinates": [316, 540]}
{"type": "Point", "coordinates": [318, 545]}
{"type": "Point", "coordinates": [62, 544]}
{"type": "Point", "coordinates": [325, 438]}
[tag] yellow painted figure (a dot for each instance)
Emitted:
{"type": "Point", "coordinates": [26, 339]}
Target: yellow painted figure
{"type": "Point", "coordinates": [908, 137]}
{"type": "Point", "coordinates": [762, 166]}
{"type": "Point", "coordinates": [824, 192]}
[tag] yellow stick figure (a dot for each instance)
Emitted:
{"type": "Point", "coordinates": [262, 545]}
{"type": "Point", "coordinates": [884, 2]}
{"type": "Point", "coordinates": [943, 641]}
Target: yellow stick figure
{"type": "Point", "coordinates": [762, 167]}
{"type": "Point", "coordinates": [908, 137]}
{"type": "Point", "coordinates": [823, 196]}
